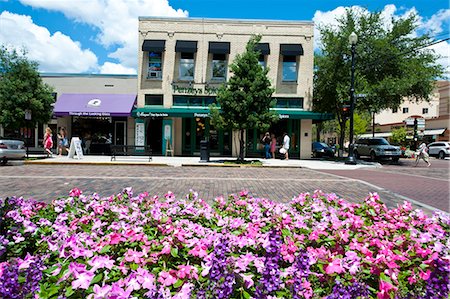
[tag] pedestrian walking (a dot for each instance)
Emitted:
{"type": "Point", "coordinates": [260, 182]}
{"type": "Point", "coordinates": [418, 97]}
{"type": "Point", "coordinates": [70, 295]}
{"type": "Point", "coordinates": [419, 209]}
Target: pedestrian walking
{"type": "Point", "coordinates": [63, 142]}
{"type": "Point", "coordinates": [266, 141]}
{"type": "Point", "coordinates": [48, 142]}
{"type": "Point", "coordinates": [422, 153]}
{"type": "Point", "coordinates": [273, 145]}
{"type": "Point", "coordinates": [286, 145]}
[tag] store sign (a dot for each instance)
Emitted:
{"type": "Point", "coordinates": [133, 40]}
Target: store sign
{"type": "Point", "coordinates": [207, 90]}
{"type": "Point", "coordinates": [89, 113]}
{"type": "Point", "coordinates": [203, 115]}
{"type": "Point", "coordinates": [151, 114]}
{"type": "Point", "coordinates": [282, 116]}
{"type": "Point", "coordinates": [140, 134]}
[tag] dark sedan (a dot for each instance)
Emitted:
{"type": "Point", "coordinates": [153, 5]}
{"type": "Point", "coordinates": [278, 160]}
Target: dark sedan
{"type": "Point", "coordinates": [321, 149]}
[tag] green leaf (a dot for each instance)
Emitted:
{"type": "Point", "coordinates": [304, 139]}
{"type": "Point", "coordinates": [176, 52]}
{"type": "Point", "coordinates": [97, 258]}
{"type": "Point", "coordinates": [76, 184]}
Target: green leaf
{"type": "Point", "coordinates": [178, 283]}
{"type": "Point", "coordinates": [105, 249]}
{"type": "Point", "coordinates": [97, 278]}
{"type": "Point", "coordinates": [69, 291]}
{"type": "Point", "coordinates": [174, 251]}
{"type": "Point", "coordinates": [21, 279]}
{"type": "Point", "coordinates": [245, 294]}
{"type": "Point", "coordinates": [134, 266]}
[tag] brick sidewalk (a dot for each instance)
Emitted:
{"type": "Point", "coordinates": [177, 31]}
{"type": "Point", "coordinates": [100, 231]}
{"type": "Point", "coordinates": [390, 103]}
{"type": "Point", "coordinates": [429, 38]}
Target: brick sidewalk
{"type": "Point", "coordinates": [47, 182]}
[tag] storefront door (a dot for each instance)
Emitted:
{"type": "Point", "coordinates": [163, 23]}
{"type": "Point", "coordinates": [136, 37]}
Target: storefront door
{"type": "Point", "coordinates": [120, 132]}
{"type": "Point", "coordinates": [198, 129]}
{"type": "Point", "coordinates": [154, 135]}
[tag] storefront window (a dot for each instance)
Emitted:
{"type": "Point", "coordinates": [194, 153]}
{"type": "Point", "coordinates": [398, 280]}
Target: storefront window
{"type": "Point", "coordinates": [154, 65]}
{"type": "Point", "coordinates": [289, 68]}
{"type": "Point", "coordinates": [289, 102]}
{"type": "Point", "coordinates": [219, 67]}
{"type": "Point", "coordinates": [152, 100]}
{"type": "Point", "coordinates": [96, 133]}
{"type": "Point", "coordinates": [187, 66]}
{"type": "Point", "coordinates": [262, 61]}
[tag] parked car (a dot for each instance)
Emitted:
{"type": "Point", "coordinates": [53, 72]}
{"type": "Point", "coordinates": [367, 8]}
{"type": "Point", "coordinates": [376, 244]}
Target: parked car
{"type": "Point", "coordinates": [376, 148]}
{"type": "Point", "coordinates": [321, 149]}
{"type": "Point", "coordinates": [439, 149]}
{"type": "Point", "coordinates": [11, 149]}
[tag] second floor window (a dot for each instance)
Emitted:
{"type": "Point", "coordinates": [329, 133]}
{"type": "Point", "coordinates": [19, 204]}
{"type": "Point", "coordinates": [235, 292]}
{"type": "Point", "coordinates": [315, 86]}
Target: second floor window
{"type": "Point", "coordinates": [424, 110]}
{"type": "Point", "coordinates": [154, 65]}
{"type": "Point", "coordinates": [289, 68]}
{"type": "Point", "coordinates": [219, 67]}
{"type": "Point", "coordinates": [187, 66]}
{"type": "Point", "coordinates": [405, 110]}
{"type": "Point", "coordinates": [262, 61]}
{"type": "Point", "coordinates": [394, 110]}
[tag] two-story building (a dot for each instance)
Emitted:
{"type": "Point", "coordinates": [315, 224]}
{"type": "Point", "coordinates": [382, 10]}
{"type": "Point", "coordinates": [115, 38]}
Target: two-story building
{"type": "Point", "coordinates": [183, 61]}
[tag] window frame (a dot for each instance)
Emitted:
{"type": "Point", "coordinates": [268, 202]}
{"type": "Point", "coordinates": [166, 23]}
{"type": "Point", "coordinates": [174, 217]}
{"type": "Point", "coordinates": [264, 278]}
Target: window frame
{"type": "Point", "coordinates": [156, 69]}
{"type": "Point", "coordinates": [146, 96]}
{"type": "Point", "coordinates": [192, 63]}
{"type": "Point", "coordinates": [217, 61]}
{"type": "Point", "coordinates": [291, 59]}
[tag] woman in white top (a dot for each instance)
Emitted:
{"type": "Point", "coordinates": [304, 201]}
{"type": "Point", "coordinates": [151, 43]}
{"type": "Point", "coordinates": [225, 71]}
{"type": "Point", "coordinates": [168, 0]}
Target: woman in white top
{"type": "Point", "coordinates": [286, 143]}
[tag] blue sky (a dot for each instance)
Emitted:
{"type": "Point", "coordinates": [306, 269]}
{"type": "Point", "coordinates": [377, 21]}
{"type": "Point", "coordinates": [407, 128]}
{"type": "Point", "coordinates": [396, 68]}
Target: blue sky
{"type": "Point", "coordinates": [100, 36]}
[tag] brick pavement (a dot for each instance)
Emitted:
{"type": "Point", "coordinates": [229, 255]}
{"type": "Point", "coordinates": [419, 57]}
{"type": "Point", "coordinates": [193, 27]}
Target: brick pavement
{"type": "Point", "coordinates": [47, 182]}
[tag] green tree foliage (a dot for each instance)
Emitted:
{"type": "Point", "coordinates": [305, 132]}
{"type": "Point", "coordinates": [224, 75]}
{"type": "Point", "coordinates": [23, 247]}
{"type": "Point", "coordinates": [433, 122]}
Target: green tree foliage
{"type": "Point", "coordinates": [399, 135]}
{"type": "Point", "coordinates": [392, 63]}
{"type": "Point", "coordinates": [246, 100]}
{"type": "Point", "coordinates": [21, 88]}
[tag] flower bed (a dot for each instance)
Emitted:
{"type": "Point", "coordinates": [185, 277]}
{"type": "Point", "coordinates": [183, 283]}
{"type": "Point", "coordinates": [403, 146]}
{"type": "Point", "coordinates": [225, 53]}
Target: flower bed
{"type": "Point", "coordinates": [125, 246]}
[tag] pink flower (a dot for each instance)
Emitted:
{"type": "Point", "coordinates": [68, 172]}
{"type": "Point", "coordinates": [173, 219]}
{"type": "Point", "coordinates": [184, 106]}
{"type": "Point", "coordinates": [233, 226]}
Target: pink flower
{"type": "Point", "coordinates": [385, 289]}
{"type": "Point", "coordinates": [248, 281]}
{"type": "Point", "coordinates": [334, 267]}
{"type": "Point", "coordinates": [83, 281]}
{"type": "Point", "coordinates": [424, 275]}
{"type": "Point", "coordinates": [101, 292]}
{"type": "Point", "coordinates": [75, 192]}
{"type": "Point", "coordinates": [99, 210]}
{"type": "Point", "coordinates": [101, 262]}
{"type": "Point", "coordinates": [166, 279]}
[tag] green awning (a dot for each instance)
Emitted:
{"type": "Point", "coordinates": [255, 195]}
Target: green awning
{"type": "Point", "coordinates": [302, 114]}
{"type": "Point", "coordinates": [171, 112]}
{"type": "Point", "coordinates": [204, 112]}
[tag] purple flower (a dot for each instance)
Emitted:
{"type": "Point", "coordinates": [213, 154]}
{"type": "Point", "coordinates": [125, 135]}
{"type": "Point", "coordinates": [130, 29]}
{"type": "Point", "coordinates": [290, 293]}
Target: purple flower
{"type": "Point", "coordinates": [270, 281]}
{"type": "Point", "coordinates": [301, 273]}
{"type": "Point", "coordinates": [355, 290]}
{"type": "Point", "coordinates": [221, 276]}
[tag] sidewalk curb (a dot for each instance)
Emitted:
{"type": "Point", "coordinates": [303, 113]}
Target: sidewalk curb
{"type": "Point", "coordinates": [97, 163]}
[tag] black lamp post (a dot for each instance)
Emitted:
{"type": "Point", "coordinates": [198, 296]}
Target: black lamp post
{"type": "Point", "coordinates": [353, 39]}
{"type": "Point", "coordinates": [27, 120]}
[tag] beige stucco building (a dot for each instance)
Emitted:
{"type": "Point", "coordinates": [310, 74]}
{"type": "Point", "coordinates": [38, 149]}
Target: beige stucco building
{"type": "Point", "coordinates": [182, 62]}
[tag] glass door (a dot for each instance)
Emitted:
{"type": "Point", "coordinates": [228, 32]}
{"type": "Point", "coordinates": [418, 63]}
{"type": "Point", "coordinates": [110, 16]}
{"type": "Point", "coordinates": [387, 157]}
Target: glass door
{"type": "Point", "coordinates": [120, 132]}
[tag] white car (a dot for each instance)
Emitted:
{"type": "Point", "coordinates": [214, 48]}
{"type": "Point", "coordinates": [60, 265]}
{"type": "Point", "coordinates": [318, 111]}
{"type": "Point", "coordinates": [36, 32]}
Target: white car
{"type": "Point", "coordinates": [439, 149]}
{"type": "Point", "coordinates": [11, 149]}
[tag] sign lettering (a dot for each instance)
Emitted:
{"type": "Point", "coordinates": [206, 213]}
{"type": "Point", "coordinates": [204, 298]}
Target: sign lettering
{"type": "Point", "coordinates": [207, 90]}
{"type": "Point", "coordinates": [90, 113]}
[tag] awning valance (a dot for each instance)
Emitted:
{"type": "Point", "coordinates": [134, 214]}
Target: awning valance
{"type": "Point", "coordinates": [154, 45]}
{"type": "Point", "coordinates": [291, 49]}
{"type": "Point", "coordinates": [204, 112]}
{"type": "Point", "coordinates": [186, 46]}
{"type": "Point", "coordinates": [171, 112]}
{"type": "Point", "coordinates": [89, 104]}
{"type": "Point", "coordinates": [263, 48]}
{"type": "Point", "coordinates": [219, 48]}
{"type": "Point", "coordinates": [433, 132]}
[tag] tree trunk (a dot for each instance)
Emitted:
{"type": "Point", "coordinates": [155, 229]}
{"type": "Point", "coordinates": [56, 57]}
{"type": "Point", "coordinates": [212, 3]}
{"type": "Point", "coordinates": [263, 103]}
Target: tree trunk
{"type": "Point", "coordinates": [241, 146]}
{"type": "Point", "coordinates": [319, 127]}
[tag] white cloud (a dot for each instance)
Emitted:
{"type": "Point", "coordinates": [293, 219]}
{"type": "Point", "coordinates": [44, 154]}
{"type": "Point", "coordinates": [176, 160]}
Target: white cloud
{"type": "Point", "coordinates": [115, 68]}
{"type": "Point", "coordinates": [54, 52]}
{"type": "Point", "coordinates": [443, 50]}
{"type": "Point", "coordinates": [436, 23]}
{"type": "Point", "coordinates": [117, 20]}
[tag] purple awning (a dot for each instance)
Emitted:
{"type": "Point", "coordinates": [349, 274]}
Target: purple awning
{"type": "Point", "coordinates": [91, 104]}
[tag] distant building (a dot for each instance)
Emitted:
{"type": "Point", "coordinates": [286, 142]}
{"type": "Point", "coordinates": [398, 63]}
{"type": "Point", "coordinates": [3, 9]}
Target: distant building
{"type": "Point", "coordinates": [435, 114]}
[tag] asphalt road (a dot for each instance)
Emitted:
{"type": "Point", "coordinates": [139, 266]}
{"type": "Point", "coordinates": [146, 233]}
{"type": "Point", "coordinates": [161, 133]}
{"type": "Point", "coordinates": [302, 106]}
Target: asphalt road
{"type": "Point", "coordinates": [394, 183]}
{"type": "Point", "coordinates": [429, 186]}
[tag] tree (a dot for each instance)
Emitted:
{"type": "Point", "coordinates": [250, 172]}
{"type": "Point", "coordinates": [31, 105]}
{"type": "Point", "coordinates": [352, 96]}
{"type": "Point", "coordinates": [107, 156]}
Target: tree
{"type": "Point", "coordinates": [399, 135]}
{"type": "Point", "coordinates": [246, 100]}
{"type": "Point", "coordinates": [21, 89]}
{"type": "Point", "coordinates": [392, 64]}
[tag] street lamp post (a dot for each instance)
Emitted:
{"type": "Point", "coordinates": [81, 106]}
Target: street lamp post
{"type": "Point", "coordinates": [353, 39]}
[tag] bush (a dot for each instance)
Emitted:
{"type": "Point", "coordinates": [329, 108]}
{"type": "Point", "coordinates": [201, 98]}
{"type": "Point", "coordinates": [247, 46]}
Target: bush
{"type": "Point", "coordinates": [316, 246]}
